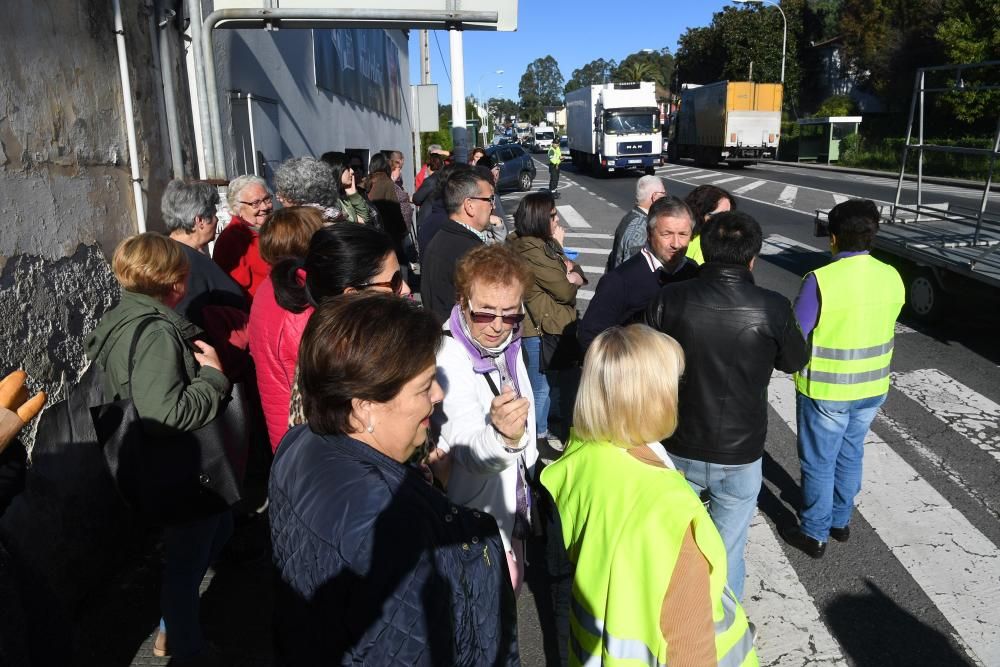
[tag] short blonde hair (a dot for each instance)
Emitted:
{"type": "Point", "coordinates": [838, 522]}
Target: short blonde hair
{"type": "Point", "coordinates": [149, 264]}
{"type": "Point", "coordinates": [628, 391]}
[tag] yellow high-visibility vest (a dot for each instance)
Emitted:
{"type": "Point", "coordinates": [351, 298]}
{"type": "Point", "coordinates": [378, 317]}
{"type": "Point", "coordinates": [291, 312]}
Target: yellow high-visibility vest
{"type": "Point", "coordinates": [623, 524]}
{"type": "Point", "coordinates": [555, 154]}
{"type": "Point", "coordinates": [694, 250]}
{"type": "Point", "coordinates": [852, 343]}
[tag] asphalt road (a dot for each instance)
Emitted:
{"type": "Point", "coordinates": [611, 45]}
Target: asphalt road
{"type": "Point", "coordinates": [918, 582]}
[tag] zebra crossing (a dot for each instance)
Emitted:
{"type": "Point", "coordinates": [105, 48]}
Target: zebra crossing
{"type": "Point", "coordinates": [919, 528]}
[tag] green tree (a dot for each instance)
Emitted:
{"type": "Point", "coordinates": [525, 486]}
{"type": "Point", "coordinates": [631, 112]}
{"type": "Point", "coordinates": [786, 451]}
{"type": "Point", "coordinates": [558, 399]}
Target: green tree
{"type": "Point", "coordinates": [648, 65]}
{"type": "Point", "coordinates": [594, 72]}
{"type": "Point", "coordinates": [541, 85]}
{"type": "Point", "coordinates": [503, 107]}
{"type": "Point", "coordinates": [970, 33]}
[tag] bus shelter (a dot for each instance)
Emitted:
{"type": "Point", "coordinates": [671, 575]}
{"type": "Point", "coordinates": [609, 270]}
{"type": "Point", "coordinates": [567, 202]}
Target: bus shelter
{"type": "Point", "coordinates": [819, 138]}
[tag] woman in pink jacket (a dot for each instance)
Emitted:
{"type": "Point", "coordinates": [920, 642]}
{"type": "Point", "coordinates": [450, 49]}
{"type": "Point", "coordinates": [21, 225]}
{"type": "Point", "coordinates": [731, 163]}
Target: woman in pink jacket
{"type": "Point", "coordinates": [341, 258]}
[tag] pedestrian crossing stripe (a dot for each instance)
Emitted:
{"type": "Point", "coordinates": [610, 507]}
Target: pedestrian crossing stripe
{"type": "Point", "coordinates": [955, 565]}
{"type": "Point", "coordinates": [572, 217]}
{"type": "Point", "coordinates": [727, 180]}
{"type": "Point", "coordinates": [748, 187]}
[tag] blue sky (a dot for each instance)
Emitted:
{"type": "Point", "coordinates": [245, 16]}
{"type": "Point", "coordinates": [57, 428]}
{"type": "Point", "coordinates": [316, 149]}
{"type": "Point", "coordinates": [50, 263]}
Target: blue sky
{"type": "Point", "coordinates": [572, 32]}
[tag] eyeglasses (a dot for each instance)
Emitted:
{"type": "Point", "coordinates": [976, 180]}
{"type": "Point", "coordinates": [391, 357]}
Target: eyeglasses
{"type": "Point", "coordinates": [488, 318]}
{"type": "Point", "coordinates": [489, 199]}
{"type": "Point", "coordinates": [395, 283]}
{"type": "Point", "coordinates": [257, 203]}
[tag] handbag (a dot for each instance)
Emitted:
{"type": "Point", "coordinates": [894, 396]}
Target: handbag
{"type": "Point", "coordinates": [180, 477]}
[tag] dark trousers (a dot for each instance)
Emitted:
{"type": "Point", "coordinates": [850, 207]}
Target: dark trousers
{"type": "Point", "coordinates": [553, 176]}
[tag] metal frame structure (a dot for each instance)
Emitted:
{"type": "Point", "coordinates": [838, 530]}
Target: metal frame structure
{"type": "Point", "coordinates": [964, 241]}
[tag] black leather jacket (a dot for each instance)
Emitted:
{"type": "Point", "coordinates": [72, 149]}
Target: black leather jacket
{"type": "Point", "coordinates": [734, 334]}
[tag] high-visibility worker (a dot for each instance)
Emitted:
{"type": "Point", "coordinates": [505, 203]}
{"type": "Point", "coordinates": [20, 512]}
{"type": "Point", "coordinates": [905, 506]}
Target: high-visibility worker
{"type": "Point", "coordinates": [649, 582]}
{"type": "Point", "coordinates": [555, 158]}
{"type": "Point", "coordinates": [847, 310]}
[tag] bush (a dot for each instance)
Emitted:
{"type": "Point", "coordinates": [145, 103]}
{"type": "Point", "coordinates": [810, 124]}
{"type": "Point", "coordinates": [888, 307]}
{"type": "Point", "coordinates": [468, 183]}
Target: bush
{"type": "Point", "coordinates": [836, 105]}
{"type": "Point", "coordinates": [856, 151]}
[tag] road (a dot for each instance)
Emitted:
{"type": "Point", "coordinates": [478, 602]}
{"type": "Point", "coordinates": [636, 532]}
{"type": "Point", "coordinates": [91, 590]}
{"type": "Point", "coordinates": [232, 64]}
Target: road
{"type": "Point", "coordinates": [919, 581]}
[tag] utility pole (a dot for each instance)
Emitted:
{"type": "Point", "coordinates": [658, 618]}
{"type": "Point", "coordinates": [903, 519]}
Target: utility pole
{"type": "Point", "coordinates": [460, 149]}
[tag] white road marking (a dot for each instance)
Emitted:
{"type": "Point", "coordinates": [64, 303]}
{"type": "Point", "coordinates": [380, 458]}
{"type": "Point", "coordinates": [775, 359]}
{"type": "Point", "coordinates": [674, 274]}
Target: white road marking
{"type": "Point", "coordinates": [683, 173]}
{"type": "Point", "coordinates": [790, 629]}
{"type": "Point", "coordinates": [966, 411]}
{"type": "Point", "coordinates": [590, 235]}
{"type": "Point", "coordinates": [667, 170]}
{"type": "Point", "coordinates": [956, 565]}
{"type": "Point", "coordinates": [748, 187]}
{"type": "Point", "coordinates": [903, 329]}
{"type": "Point", "coordinates": [592, 271]}
{"type": "Point", "coordinates": [788, 195]}
{"type": "Point", "coordinates": [775, 244]}
{"type": "Point", "coordinates": [710, 174]}
{"type": "Point", "coordinates": [572, 217]}
{"type": "Point", "coordinates": [585, 294]}
{"type": "Point", "coordinates": [840, 198]}
{"type": "Point", "coordinates": [591, 251]}
{"type": "Point", "coordinates": [727, 180]}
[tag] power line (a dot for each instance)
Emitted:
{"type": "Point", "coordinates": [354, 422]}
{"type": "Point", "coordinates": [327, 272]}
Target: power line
{"type": "Point", "coordinates": [444, 63]}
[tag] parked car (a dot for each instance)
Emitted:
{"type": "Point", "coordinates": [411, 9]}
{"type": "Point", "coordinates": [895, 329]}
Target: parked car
{"type": "Point", "coordinates": [517, 169]}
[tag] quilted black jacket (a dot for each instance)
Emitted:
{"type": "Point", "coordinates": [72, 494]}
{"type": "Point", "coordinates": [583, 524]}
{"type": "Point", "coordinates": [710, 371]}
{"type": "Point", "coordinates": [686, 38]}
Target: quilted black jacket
{"type": "Point", "coordinates": [734, 334]}
{"type": "Point", "coordinates": [376, 567]}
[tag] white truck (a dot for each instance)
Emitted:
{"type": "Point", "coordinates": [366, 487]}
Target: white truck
{"type": "Point", "coordinates": [614, 126]}
{"type": "Point", "coordinates": [541, 138]}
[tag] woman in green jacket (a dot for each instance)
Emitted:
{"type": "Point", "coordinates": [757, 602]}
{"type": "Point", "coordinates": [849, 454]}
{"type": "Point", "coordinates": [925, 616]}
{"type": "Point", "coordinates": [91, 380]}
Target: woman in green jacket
{"type": "Point", "coordinates": [177, 385]}
{"type": "Point", "coordinates": [551, 298]}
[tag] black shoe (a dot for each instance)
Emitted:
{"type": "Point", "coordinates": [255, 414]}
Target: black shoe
{"type": "Point", "coordinates": [803, 542]}
{"type": "Point", "coordinates": [841, 534]}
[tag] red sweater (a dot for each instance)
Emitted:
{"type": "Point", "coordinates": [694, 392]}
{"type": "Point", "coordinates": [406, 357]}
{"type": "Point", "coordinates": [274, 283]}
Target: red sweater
{"type": "Point", "coordinates": [237, 253]}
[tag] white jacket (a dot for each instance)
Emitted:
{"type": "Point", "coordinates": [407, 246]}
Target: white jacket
{"type": "Point", "coordinates": [483, 473]}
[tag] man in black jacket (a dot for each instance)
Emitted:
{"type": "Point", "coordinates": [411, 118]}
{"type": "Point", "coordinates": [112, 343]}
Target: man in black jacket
{"type": "Point", "coordinates": [623, 294]}
{"type": "Point", "coordinates": [468, 198]}
{"type": "Point", "coordinates": [734, 334]}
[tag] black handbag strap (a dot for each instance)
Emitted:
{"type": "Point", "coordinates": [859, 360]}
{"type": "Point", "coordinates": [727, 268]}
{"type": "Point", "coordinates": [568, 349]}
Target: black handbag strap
{"type": "Point", "coordinates": [489, 380]}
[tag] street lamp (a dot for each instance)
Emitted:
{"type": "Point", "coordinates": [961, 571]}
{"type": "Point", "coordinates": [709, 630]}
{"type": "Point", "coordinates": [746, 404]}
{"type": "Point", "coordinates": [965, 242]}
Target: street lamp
{"type": "Point", "coordinates": [481, 107]}
{"type": "Point", "coordinates": [784, 36]}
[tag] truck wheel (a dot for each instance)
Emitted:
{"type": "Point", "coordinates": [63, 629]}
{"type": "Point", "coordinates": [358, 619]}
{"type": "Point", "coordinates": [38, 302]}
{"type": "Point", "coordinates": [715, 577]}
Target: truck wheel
{"type": "Point", "coordinates": [650, 171]}
{"type": "Point", "coordinates": [925, 299]}
{"type": "Point", "coordinates": [525, 180]}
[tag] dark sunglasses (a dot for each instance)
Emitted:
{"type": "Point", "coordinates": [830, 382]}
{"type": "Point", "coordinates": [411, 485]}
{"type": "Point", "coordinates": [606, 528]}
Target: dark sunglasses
{"type": "Point", "coordinates": [487, 318]}
{"type": "Point", "coordinates": [395, 283]}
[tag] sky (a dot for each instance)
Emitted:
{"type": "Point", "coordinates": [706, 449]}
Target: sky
{"type": "Point", "coordinates": [574, 32]}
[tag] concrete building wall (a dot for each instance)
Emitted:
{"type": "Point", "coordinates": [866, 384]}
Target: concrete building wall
{"type": "Point", "coordinates": [65, 189]}
{"type": "Point", "coordinates": [278, 66]}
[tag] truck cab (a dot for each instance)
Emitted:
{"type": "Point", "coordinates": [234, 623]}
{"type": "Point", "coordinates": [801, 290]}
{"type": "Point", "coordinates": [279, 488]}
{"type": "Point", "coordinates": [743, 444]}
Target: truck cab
{"type": "Point", "coordinates": [614, 126]}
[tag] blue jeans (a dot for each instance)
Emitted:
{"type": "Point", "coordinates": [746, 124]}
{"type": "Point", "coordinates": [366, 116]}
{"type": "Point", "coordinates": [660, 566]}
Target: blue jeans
{"type": "Point", "coordinates": [831, 443]}
{"type": "Point", "coordinates": [189, 549]}
{"type": "Point", "coordinates": [732, 493]}
{"type": "Point", "coordinates": [539, 384]}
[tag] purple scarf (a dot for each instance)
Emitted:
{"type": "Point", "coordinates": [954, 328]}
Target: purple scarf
{"type": "Point", "coordinates": [483, 361]}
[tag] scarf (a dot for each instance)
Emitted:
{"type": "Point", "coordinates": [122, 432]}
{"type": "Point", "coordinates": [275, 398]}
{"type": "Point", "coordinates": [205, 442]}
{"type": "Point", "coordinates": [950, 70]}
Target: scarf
{"type": "Point", "coordinates": [484, 359]}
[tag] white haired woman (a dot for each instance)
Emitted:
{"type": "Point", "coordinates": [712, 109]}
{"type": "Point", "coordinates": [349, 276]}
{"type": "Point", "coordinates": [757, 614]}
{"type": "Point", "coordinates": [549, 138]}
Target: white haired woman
{"type": "Point", "coordinates": [236, 251]}
{"type": "Point", "coordinates": [650, 566]}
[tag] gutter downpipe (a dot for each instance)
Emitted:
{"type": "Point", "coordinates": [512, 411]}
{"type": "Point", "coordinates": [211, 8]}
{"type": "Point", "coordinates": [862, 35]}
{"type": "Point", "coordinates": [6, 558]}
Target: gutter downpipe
{"type": "Point", "coordinates": [169, 93]}
{"type": "Point", "coordinates": [206, 70]}
{"type": "Point", "coordinates": [133, 152]}
{"type": "Point", "coordinates": [203, 101]}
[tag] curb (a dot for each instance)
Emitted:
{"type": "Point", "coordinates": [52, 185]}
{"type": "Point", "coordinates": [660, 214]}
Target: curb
{"type": "Point", "coordinates": [936, 180]}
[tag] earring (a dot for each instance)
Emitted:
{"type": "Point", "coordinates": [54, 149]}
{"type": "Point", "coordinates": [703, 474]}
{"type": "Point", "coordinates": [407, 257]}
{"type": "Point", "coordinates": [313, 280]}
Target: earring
{"type": "Point", "coordinates": [371, 428]}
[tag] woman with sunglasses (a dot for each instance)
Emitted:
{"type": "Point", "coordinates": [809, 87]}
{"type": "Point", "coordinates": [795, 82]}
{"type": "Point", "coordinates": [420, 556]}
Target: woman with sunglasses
{"type": "Point", "coordinates": [550, 300]}
{"type": "Point", "coordinates": [705, 201]}
{"type": "Point", "coordinates": [486, 447]}
{"type": "Point", "coordinates": [340, 259]}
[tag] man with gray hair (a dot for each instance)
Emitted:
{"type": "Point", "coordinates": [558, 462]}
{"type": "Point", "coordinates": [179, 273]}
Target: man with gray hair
{"type": "Point", "coordinates": [306, 181]}
{"type": "Point", "coordinates": [623, 294]}
{"type": "Point", "coordinates": [468, 199]}
{"type": "Point", "coordinates": [630, 236]}
{"type": "Point", "coordinates": [189, 215]}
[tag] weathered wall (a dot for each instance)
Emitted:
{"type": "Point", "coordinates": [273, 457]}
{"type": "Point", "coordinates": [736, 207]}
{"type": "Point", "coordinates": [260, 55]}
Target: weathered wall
{"type": "Point", "coordinates": [65, 190]}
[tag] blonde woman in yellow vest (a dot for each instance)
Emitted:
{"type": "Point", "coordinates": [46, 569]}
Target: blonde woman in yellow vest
{"type": "Point", "coordinates": [705, 201]}
{"type": "Point", "coordinates": [649, 586]}
{"type": "Point", "coordinates": [847, 311]}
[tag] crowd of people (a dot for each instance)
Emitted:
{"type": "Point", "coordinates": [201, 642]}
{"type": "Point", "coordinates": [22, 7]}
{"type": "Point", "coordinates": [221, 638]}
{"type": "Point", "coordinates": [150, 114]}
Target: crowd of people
{"type": "Point", "coordinates": [407, 479]}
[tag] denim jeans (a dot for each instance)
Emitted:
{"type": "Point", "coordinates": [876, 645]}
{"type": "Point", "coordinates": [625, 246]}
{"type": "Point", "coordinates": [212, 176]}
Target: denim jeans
{"type": "Point", "coordinates": [831, 443]}
{"type": "Point", "coordinates": [189, 549]}
{"type": "Point", "coordinates": [732, 493]}
{"type": "Point", "coordinates": [539, 384]}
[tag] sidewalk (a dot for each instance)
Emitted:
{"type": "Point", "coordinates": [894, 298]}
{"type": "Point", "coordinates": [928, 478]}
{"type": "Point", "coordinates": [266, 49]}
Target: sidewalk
{"type": "Point", "coordinates": [937, 180]}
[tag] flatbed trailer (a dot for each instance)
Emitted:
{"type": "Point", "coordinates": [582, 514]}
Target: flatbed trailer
{"type": "Point", "coordinates": [941, 251]}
